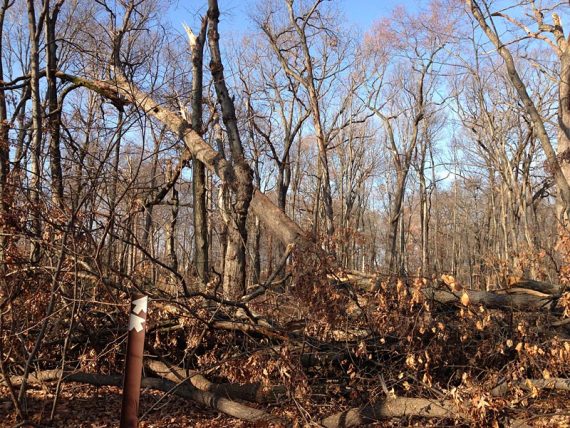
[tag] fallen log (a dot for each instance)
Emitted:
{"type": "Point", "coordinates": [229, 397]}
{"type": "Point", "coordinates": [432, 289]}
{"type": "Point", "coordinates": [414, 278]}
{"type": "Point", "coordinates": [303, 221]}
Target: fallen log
{"type": "Point", "coordinates": [510, 301]}
{"type": "Point", "coordinates": [543, 287]}
{"type": "Point", "coordinates": [394, 408]}
{"type": "Point", "coordinates": [207, 399]}
{"type": "Point", "coordinates": [253, 392]}
{"type": "Point", "coordinates": [536, 296]}
{"type": "Point", "coordinates": [35, 378]}
{"type": "Point", "coordinates": [518, 290]}
{"type": "Point", "coordinates": [559, 384]}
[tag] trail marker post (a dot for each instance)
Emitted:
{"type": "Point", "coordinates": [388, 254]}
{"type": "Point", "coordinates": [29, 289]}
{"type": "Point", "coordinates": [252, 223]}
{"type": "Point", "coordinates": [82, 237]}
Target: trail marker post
{"type": "Point", "coordinates": [134, 361]}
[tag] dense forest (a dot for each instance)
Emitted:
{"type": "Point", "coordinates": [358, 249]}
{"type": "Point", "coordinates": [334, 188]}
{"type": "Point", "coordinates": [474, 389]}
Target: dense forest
{"type": "Point", "coordinates": [334, 225]}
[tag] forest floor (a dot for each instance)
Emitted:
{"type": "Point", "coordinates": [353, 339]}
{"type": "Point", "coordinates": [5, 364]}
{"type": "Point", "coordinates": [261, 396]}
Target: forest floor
{"type": "Point", "coordinates": [85, 406]}
{"type": "Point", "coordinates": [471, 358]}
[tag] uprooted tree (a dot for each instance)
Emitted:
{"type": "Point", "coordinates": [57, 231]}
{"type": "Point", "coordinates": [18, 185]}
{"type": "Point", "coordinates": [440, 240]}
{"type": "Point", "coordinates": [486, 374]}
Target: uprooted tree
{"type": "Point", "coordinates": [282, 270]}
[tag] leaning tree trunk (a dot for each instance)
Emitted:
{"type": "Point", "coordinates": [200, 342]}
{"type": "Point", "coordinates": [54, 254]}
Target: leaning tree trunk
{"type": "Point", "coordinates": [563, 149]}
{"type": "Point", "coordinates": [120, 91]}
{"type": "Point", "coordinates": [554, 161]}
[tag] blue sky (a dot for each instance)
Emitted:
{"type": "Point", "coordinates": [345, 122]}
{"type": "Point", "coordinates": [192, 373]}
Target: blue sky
{"type": "Point", "coordinates": [365, 12]}
{"type": "Point", "coordinates": [234, 13]}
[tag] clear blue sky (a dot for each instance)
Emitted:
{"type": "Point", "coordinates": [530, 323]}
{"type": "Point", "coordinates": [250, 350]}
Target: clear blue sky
{"type": "Point", "coordinates": [365, 12]}
{"type": "Point", "coordinates": [234, 13]}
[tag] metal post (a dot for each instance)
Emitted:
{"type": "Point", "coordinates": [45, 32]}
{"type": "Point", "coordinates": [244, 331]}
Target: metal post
{"type": "Point", "coordinates": [134, 361]}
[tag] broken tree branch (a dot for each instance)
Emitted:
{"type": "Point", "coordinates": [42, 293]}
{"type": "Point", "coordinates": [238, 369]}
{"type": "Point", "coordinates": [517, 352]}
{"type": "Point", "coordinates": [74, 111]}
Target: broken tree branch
{"type": "Point", "coordinates": [123, 92]}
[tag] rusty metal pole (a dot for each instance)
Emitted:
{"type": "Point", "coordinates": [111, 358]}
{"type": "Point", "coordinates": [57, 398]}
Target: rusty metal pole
{"type": "Point", "coordinates": [134, 361]}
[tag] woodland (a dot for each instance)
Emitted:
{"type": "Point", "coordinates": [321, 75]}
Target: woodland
{"type": "Point", "coordinates": [335, 226]}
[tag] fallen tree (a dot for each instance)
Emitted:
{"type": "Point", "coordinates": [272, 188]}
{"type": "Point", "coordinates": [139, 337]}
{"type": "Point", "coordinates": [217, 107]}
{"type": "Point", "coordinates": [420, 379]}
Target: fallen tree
{"type": "Point", "coordinates": [557, 384]}
{"type": "Point", "coordinates": [389, 408]}
{"type": "Point", "coordinates": [543, 287]}
{"type": "Point", "coordinates": [122, 92]}
{"type": "Point", "coordinates": [253, 392]}
{"type": "Point", "coordinates": [509, 301]}
{"type": "Point", "coordinates": [394, 408]}
{"type": "Point", "coordinates": [537, 296]}
{"type": "Point", "coordinates": [207, 399]}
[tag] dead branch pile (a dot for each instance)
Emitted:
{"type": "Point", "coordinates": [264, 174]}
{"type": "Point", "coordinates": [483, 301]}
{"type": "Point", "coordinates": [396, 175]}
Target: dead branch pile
{"type": "Point", "coordinates": [335, 349]}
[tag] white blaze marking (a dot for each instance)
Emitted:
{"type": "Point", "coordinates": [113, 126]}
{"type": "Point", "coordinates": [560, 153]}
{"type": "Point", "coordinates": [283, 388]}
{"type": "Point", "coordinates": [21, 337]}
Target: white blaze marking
{"type": "Point", "coordinates": [140, 305]}
{"type": "Point", "coordinates": [136, 322]}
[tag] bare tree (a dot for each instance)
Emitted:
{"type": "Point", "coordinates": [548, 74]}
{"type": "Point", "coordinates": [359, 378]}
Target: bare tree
{"type": "Point", "coordinates": [402, 104]}
{"type": "Point", "coordinates": [54, 105]}
{"type": "Point", "coordinates": [36, 144]}
{"type": "Point", "coordinates": [293, 40]}
{"type": "Point", "coordinates": [234, 267]}
{"type": "Point", "coordinates": [553, 35]}
{"type": "Point", "coordinates": [198, 170]}
{"type": "Point", "coordinates": [275, 114]}
{"type": "Point", "coordinates": [4, 145]}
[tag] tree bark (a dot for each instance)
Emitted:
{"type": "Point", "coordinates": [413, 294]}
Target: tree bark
{"type": "Point", "coordinates": [200, 213]}
{"type": "Point", "coordinates": [207, 399]}
{"type": "Point", "coordinates": [234, 281]}
{"type": "Point", "coordinates": [510, 301]}
{"type": "Point", "coordinates": [54, 113]}
{"type": "Point", "coordinates": [171, 229]}
{"type": "Point", "coordinates": [36, 143]}
{"type": "Point", "coordinates": [253, 392]}
{"type": "Point", "coordinates": [559, 384]}
{"type": "Point", "coordinates": [4, 150]}
{"type": "Point", "coordinates": [394, 408]}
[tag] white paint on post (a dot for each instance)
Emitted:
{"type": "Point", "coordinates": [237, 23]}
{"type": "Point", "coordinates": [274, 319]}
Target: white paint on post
{"type": "Point", "coordinates": [134, 362]}
{"type": "Point", "coordinates": [140, 305]}
{"type": "Point", "coordinates": [136, 322]}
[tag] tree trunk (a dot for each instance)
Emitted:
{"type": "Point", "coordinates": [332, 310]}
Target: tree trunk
{"type": "Point", "coordinates": [283, 181]}
{"type": "Point", "coordinates": [400, 407]}
{"type": "Point", "coordinates": [256, 252]}
{"type": "Point", "coordinates": [171, 230]}
{"type": "Point", "coordinates": [395, 224]}
{"type": "Point", "coordinates": [4, 151]}
{"type": "Point", "coordinates": [36, 143]}
{"type": "Point", "coordinates": [563, 149]}
{"type": "Point", "coordinates": [207, 399]}
{"type": "Point", "coordinates": [325, 181]}
{"type": "Point", "coordinates": [200, 213]}
{"type": "Point", "coordinates": [113, 188]}
{"type": "Point", "coordinates": [560, 178]}
{"type": "Point", "coordinates": [147, 228]}
{"type": "Point", "coordinates": [234, 281]}
{"type": "Point", "coordinates": [54, 113]}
